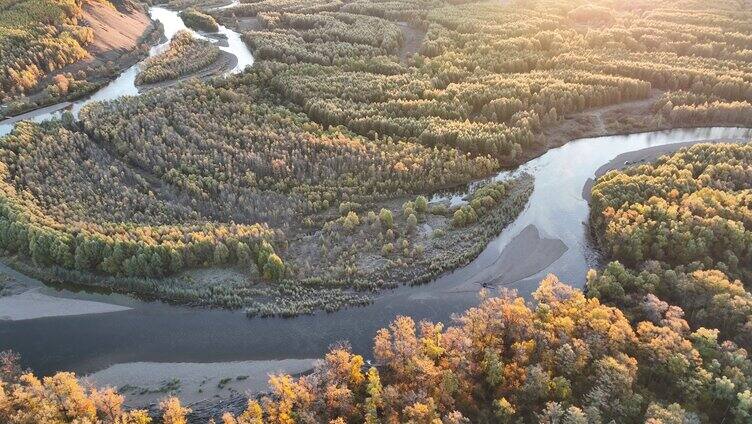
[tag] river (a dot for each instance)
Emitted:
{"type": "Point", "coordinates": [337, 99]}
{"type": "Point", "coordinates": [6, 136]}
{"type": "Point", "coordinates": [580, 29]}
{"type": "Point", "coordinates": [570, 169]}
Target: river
{"type": "Point", "coordinates": [124, 84]}
{"type": "Point", "coordinates": [156, 332]}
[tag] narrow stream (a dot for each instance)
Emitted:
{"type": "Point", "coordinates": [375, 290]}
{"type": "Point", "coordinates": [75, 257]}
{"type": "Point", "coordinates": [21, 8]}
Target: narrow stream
{"type": "Point", "coordinates": [124, 84]}
{"type": "Point", "coordinates": [156, 332]}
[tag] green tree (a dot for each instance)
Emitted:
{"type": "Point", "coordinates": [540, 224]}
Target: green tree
{"type": "Point", "coordinates": [386, 218]}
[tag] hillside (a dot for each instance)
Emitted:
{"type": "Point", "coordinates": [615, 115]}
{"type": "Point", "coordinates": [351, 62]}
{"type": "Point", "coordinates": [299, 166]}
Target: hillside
{"type": "Point", "coordinates": [118, 27]}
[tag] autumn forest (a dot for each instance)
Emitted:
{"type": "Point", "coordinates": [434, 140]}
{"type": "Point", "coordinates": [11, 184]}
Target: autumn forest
{"type": "Point", "coordinates": [375, 145]}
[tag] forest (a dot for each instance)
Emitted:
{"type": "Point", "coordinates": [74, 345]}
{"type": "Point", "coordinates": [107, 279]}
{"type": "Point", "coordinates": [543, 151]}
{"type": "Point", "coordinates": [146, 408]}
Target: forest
{"type": "Point", "coordinates": [680, 228]}
{"type": "Point", "coordinates": [184, 55]}
{"type": "Point", "coordinates": [486, 85]}
{"type": "Point", "coordinates": [690, 207]}
{"type": "Point", "coordinates": [660, 337]}
{"type": "Point", "coordinates": [281, 173]}
{"type": "Point", "coordinates": [36, 37]}
{"type": "Point", "coordinates": [322, 175]}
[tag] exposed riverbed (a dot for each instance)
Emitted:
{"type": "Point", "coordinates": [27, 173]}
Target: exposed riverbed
{"type": "Point", "coordinates": [550, 236]}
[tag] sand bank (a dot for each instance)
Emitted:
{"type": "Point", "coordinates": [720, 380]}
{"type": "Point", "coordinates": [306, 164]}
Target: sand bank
{"type": "Point", "coordinates": [527, 254]}
{"type": "Point", "coordinates": [146, 383]}
{"type": "Point", "coordinates": [115, 31]}
{"type": "Point", "coordinates": [32, 304]}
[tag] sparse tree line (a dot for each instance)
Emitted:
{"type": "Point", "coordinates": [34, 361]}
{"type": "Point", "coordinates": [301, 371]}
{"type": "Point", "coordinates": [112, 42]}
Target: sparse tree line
{"type": "Point", "coordinates": [686, 108]}
{"type": "Point", "coordinates": [347, 41]}
{"type": "Point", "coordinates": [289, 48]}
{"type": "Point", "coordinates": [403, 10]}
{"type": "Point", "coordinates": [346, 27]}
{"type": "Point", "coordinates": [254, 8]}
{"type": "Point", "coordinates": [185, 55]}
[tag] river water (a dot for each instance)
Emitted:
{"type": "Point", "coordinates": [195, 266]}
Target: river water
{"type": "Point", "coordinates": [124, 84]}
{"type": "Point", "coordinates": [155, 332]}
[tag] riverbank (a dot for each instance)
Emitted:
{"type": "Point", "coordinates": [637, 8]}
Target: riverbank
{"type": "Point", "coordinates": [32, 305]}
{"type": "Point", "coordinates": [33, 113]}
{"type": "Point", "coordinates": [155, 332]}
{"type": "Point", "coordinates": [638, 157]}
{"type": "Point", "coordinates": [145, 383]}
{"type": "Point", "coordinates": [383, 258]}
{"type": "Point", "coordinates": [617, 119]}
{"type": "Point", "coordinates": [23, 297]}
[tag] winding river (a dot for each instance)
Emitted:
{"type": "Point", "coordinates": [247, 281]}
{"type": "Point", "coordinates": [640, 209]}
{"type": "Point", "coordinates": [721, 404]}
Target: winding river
{"type": "Point", "coordinates": [550, 236]}
{"type": "Point", "coordinates": [157, 332]}
{"type": "Point", "coordinates": [124, 85]}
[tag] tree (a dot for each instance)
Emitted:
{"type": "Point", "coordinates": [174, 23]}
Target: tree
{"type": "Point", "coordinates": [351, 221]}
{"type": "Point", "coordinates": [412, 222]}
{"type": "Point", "coordinates": [221, 254]}
{"type": "Point", "coordinates": [274, 268]}
{"type": "Point", "coordinates": [243, 253]}
{"type": "Point", "coordinates": [421, 204]}
{"type": "Point", "coordinates": [173, 412]}
{"type": "Point", "coordinates": [386, 218]}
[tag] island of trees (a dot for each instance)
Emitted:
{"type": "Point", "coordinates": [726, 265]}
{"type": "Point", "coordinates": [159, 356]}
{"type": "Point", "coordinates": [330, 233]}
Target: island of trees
{"type": "Point", "coordinates": [198, 20]}
{"type": "Point", "coordinates": [184, 56]}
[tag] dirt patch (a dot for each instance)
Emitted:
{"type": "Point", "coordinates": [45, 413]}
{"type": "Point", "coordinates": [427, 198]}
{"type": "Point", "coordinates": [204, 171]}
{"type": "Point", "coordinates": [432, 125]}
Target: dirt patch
{"type": "Point", "coordinates": [28, 115]}
{"type": "Point", "coordinates": [245, 24]}
{"type": "Point", "coordinates": [32, 304]}
{"type": "Point", "coordinates": [413, 40]}
{"type": "Point", "coordinates": [220, 276]}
